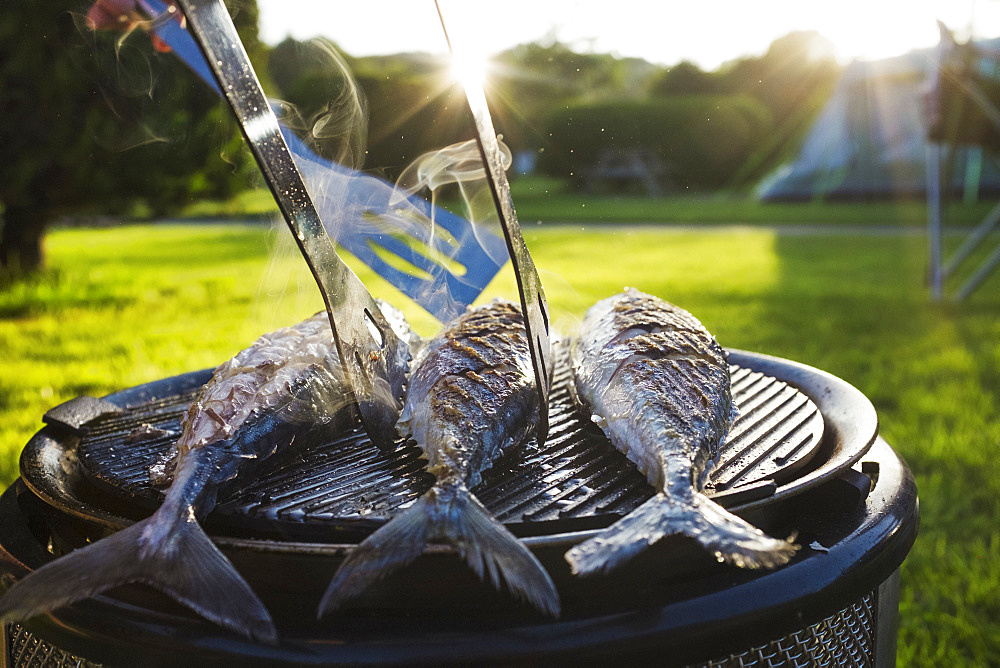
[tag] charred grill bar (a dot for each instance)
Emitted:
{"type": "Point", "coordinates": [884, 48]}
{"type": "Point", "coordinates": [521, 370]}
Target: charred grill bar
{"type": "Point", "coordinates": [803, 457]}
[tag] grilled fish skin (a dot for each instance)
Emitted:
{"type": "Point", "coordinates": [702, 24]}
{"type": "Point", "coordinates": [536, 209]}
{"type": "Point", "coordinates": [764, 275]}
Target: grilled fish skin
{"type": "Point", "coordinates": [281, 390]}
{"type": "Point", "coordinates": [471, 395]}
{"type": "Point", "coordinates": [658, 384]}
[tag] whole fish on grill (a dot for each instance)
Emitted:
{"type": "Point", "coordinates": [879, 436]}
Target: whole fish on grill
{"type": "Point", "coordinates": [287, 387]}
{"type": "Point", "coordinates": [658, 384]}
{"type": "Point", "coordinates": [470, 396]}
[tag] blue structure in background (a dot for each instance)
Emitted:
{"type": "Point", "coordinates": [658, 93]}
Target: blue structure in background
{"type": "Point", "coordinates": [870, 140]}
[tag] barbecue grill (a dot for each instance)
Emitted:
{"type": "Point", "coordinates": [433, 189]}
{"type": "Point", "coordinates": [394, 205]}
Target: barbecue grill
{"type": "Point", "coordinates": [803, 458]}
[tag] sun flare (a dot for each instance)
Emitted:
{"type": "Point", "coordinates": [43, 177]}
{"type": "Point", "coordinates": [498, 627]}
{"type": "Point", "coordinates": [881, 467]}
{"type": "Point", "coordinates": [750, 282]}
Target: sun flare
{"type": "Point", "coordinates": [469, 68]}
{"type": "Point", "coordinates": [469, 55]}
{"type": "Point", "coordinates": [874, 30]}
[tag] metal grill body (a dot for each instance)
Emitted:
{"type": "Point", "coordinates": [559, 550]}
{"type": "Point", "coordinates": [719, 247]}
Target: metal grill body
{"type": "Point", "coordinates": [854, 510]}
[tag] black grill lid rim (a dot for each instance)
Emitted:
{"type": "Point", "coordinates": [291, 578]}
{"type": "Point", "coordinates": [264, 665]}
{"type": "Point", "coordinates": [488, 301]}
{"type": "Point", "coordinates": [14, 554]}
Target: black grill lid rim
{"type": "Point", "coordinates": [849, 417]}
{"type": "Point", "coordinates": [851, 426]}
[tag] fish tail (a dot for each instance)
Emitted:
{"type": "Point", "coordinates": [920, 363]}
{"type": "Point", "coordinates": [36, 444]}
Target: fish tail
{"type": "Point", "coordinates": [175, 557]}
{"type": "Point", "coordinates": [455, 517]}
{"type": "Point", "coordinates": [730, 538]}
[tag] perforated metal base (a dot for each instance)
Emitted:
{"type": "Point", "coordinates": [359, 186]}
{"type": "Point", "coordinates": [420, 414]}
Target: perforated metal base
{"type": "Point", "coordinates": [844, 639]}
{"type": "Point", "coordinates": [850, 637]}
{"type": "Point", "coordinates": [23, 649]}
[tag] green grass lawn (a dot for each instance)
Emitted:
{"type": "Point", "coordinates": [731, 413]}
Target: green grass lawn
{"type": "Point", "coordinates": [553, 200]}
{"type": "Point", "coordinates": [130, 304]}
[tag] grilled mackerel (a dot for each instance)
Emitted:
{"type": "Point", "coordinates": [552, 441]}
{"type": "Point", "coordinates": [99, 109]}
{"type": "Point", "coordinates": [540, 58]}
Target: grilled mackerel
{"type": "Point", "coordinates": [658, 384]}
{"type": "Point", "coordinates": [283, 389]}
{"type": "Point", "coordinates": [471, 395]}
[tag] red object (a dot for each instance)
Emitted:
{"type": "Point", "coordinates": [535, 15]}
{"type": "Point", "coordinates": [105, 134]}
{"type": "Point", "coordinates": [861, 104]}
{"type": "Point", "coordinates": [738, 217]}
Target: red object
{"type": "Point", "coordinates": [124, 15]}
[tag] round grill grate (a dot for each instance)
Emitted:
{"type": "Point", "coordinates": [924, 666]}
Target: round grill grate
{"type": "Point", "coordinates": [576, 477]}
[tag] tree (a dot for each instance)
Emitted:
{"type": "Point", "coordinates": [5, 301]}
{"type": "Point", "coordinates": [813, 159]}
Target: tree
{"type": "Point", "coordinates": [797, 69]}
{"type": "Point", "coordinates": [376, 112]}
{"type": "Point", "coordinates": [686, 78]}
{"type": "Point", "coordinates": [688, 141]}
{"type": "Point", "coordinates": [532, 80]}
{"type": "Point", "coordinates": [794, 79]}
{"type": "Point", "coordinates": [91, 122]}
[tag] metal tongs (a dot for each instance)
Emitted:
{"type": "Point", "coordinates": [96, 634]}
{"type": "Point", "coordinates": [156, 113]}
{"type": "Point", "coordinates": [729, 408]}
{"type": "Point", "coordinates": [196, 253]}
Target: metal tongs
{"type": "Point", "coordinates": [369, 350]}
{"type": "Point", "coordinates": [529, 285]}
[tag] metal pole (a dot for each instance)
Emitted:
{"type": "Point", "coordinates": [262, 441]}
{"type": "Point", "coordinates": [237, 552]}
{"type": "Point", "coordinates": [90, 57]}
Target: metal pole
{"type": "Point", "coordinates": [984, 270]}
{"type": "Point", "coordinates": [934, 218]}
{"type": "Point", "coordinates": [972, 241]}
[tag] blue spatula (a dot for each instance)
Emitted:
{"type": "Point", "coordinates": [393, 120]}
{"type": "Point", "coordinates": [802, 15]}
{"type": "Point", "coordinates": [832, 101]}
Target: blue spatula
{"type": "Point", "coordinates": [361, 213]}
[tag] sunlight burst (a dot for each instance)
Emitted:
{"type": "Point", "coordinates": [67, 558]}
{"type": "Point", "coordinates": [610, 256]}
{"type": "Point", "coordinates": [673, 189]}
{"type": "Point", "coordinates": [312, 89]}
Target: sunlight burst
{"type": "Point", "coordinates": [469, 68]}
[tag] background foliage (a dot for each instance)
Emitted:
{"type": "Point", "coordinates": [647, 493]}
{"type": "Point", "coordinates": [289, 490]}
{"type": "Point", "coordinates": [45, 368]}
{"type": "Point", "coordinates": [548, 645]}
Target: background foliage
{"type": "Point", "coordinates": [93, 124]}
{"type": "Point", "coordinates": [100, 123]}
{"type": "Point", "coordinates": [700, 140]}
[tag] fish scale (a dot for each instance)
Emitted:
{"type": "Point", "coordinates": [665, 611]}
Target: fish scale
{"type": "Point", "coordinates": [468, 400]}
{"type": "Point", "coordinates": [664, 399]}
{"type": "Point", "coordinates": [272, 395]}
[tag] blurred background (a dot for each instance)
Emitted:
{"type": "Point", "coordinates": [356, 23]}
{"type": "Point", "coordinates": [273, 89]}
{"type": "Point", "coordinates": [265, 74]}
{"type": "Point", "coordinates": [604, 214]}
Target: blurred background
{"type": "Point", "coordinates": [776, 168]}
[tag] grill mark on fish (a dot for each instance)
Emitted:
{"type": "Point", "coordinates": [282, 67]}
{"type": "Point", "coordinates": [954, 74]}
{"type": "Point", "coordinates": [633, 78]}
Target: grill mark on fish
{"type": "Point", "coordinates": [280, 390]}
{"type": "Point", "coordinates": [471, 395]}
{"type": "Point", "coordinates": [669, 357]}
{"type": "Point", "coordinates": [658, 385]}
